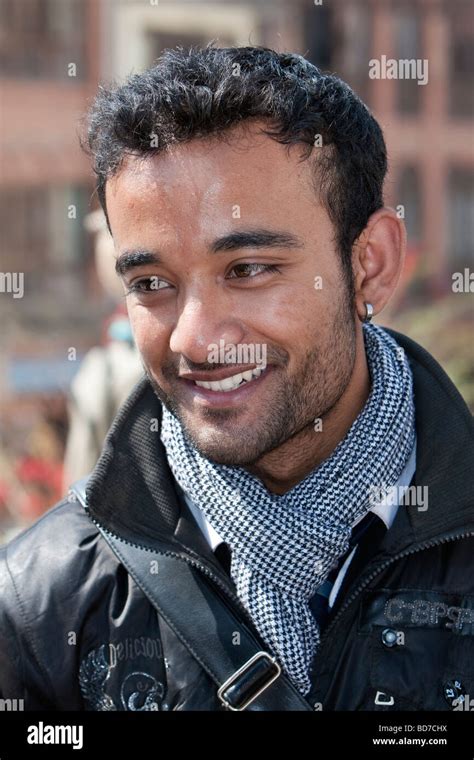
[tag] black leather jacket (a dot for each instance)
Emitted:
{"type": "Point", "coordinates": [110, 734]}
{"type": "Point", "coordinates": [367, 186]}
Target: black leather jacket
{"type": "Point", "coordinates": [76, 633]}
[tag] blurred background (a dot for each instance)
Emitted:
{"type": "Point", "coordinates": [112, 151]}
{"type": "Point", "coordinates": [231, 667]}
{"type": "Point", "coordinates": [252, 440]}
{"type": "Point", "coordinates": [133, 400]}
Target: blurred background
{"type": "Point", "coordinates": [66, 354]}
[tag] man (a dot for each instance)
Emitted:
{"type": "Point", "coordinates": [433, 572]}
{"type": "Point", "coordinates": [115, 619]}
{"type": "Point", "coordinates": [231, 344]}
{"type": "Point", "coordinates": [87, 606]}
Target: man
{"type": "Point", "coordinates": [289, 484]}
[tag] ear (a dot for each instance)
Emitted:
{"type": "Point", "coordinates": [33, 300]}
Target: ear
{"type": "Point", "coordinates": [377, 259]}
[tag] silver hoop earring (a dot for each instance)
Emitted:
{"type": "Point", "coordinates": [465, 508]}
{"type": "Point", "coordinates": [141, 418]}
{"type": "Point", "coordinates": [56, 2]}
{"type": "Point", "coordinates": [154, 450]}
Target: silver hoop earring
{"type": "Point", "coordinates": [369, 312]}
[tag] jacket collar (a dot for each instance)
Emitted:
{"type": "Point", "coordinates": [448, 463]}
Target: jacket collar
{"type": "Point", "coordinates": [445, 447]}
{"type": "Point", "coordinates": [132, 492]}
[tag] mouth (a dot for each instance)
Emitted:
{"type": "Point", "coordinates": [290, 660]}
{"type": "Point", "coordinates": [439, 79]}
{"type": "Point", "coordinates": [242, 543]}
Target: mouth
{"type": "Point", "coordinates": [231, 383]}
{"type": "Point", "coordinates": [227, 391]}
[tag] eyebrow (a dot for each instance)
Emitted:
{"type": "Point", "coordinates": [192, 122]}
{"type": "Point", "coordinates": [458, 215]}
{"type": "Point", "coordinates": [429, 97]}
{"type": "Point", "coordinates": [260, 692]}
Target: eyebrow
{"type": "Point", "coordinates": [131, 259]}
{"type": "Point", "coordinates": [259, 238]}
{"type": "Point", "coordinates": [256, 239]}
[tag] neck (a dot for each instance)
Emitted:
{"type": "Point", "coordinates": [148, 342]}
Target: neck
{"type": "Point", "coordinates": [281, 469]}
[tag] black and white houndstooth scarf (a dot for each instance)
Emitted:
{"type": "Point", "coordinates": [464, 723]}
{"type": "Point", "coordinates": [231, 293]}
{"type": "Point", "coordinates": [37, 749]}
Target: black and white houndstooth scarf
{"type": "Point", "coordinates": [283, 547]}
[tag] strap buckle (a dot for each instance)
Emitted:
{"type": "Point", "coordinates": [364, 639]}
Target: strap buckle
{"type": "Point", "coordinates": [249, 681]}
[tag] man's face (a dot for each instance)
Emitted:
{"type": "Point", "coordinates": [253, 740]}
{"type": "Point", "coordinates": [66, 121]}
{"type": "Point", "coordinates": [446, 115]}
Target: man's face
{"type": "Point", "coordinates": [198, 277]}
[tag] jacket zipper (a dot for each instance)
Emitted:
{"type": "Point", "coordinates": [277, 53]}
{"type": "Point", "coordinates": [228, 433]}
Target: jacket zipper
{"type": "Point", "coordinates": [191, 561]}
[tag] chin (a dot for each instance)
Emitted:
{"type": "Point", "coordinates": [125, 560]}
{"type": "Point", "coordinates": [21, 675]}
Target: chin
{"type": "Point", "coordinates": [234, 459]}
{"type": "Point", "coordinates": [230, 453]}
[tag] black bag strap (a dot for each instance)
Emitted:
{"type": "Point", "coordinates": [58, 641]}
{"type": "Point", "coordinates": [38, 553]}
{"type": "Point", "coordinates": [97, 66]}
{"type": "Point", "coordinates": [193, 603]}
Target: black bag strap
{"type": "Point", "coordinates": [246, 676]}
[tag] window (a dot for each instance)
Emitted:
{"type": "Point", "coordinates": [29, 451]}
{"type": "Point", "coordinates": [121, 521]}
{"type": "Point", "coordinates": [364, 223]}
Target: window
{"type": "Point", "coordinates": [409, 196]}
{"type": "Point", "coordinates": [43, 234]}
{"type": "Point", "coordinates": [408, 47]}
{"type": "Point", "coordinates": [352, 46]}
{"type": "Point", "coordinates": [40, 38]}
{"type": "Point", "coordinates": [461, 217]}
{"type": "Point", "coordinates": [318, 36]}
{"type": "Point", "coordinates": [461, 59]}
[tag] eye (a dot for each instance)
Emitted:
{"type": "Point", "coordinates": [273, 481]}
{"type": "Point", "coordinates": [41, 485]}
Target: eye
{"type": "Point", "coordinates": [250, 270]}
{"type": "Point", "coordinates": [148, 285]}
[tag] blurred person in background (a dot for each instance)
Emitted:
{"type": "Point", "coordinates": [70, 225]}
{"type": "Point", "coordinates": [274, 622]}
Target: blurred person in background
{"type": "Point", "coordinates": [107, 373]}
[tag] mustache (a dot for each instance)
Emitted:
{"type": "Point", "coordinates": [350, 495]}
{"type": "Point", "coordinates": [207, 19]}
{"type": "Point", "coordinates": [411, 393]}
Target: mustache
{"type": "Point", "coordinates": [171, 369]}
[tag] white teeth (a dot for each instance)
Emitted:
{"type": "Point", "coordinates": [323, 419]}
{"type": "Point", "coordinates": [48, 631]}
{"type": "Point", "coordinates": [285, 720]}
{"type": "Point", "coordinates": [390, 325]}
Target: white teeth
{"type": "Point", "coordinates": [230, 383]}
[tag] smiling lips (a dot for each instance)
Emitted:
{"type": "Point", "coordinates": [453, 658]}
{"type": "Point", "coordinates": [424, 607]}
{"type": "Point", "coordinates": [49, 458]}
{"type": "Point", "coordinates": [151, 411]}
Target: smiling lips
{"type": "Point", "coordinates": [232, 382]}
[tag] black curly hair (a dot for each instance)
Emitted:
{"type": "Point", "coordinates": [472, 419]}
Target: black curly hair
{"type": "Point", "coordinates": [198, 92]}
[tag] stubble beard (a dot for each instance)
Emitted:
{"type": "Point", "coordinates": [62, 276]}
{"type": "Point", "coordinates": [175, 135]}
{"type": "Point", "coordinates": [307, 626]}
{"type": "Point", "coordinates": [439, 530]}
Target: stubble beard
{"type": "Point", "coordinates": [296, 401]}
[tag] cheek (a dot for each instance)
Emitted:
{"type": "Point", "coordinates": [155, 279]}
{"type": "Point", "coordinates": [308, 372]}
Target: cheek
{"type": "Point", "coordinates": [151, 335]}
{"type": "Point", "coordinates": [292, 317]}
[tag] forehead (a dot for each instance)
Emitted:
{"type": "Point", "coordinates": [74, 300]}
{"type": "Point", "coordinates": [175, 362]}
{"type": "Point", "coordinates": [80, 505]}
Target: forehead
{"type": "Point", "coordinates": [209, 185]}
{"type": "Point", "coordinates": [239, 161]}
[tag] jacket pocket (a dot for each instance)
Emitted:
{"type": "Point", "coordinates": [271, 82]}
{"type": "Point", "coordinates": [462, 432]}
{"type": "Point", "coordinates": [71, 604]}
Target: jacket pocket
{"type": "Point", "coordinates": [421, 650]}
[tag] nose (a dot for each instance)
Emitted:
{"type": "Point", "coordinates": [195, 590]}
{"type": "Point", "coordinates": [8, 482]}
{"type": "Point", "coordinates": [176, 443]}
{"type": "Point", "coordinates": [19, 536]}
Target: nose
{"type": "Point", "coordinates": [201, 323]}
